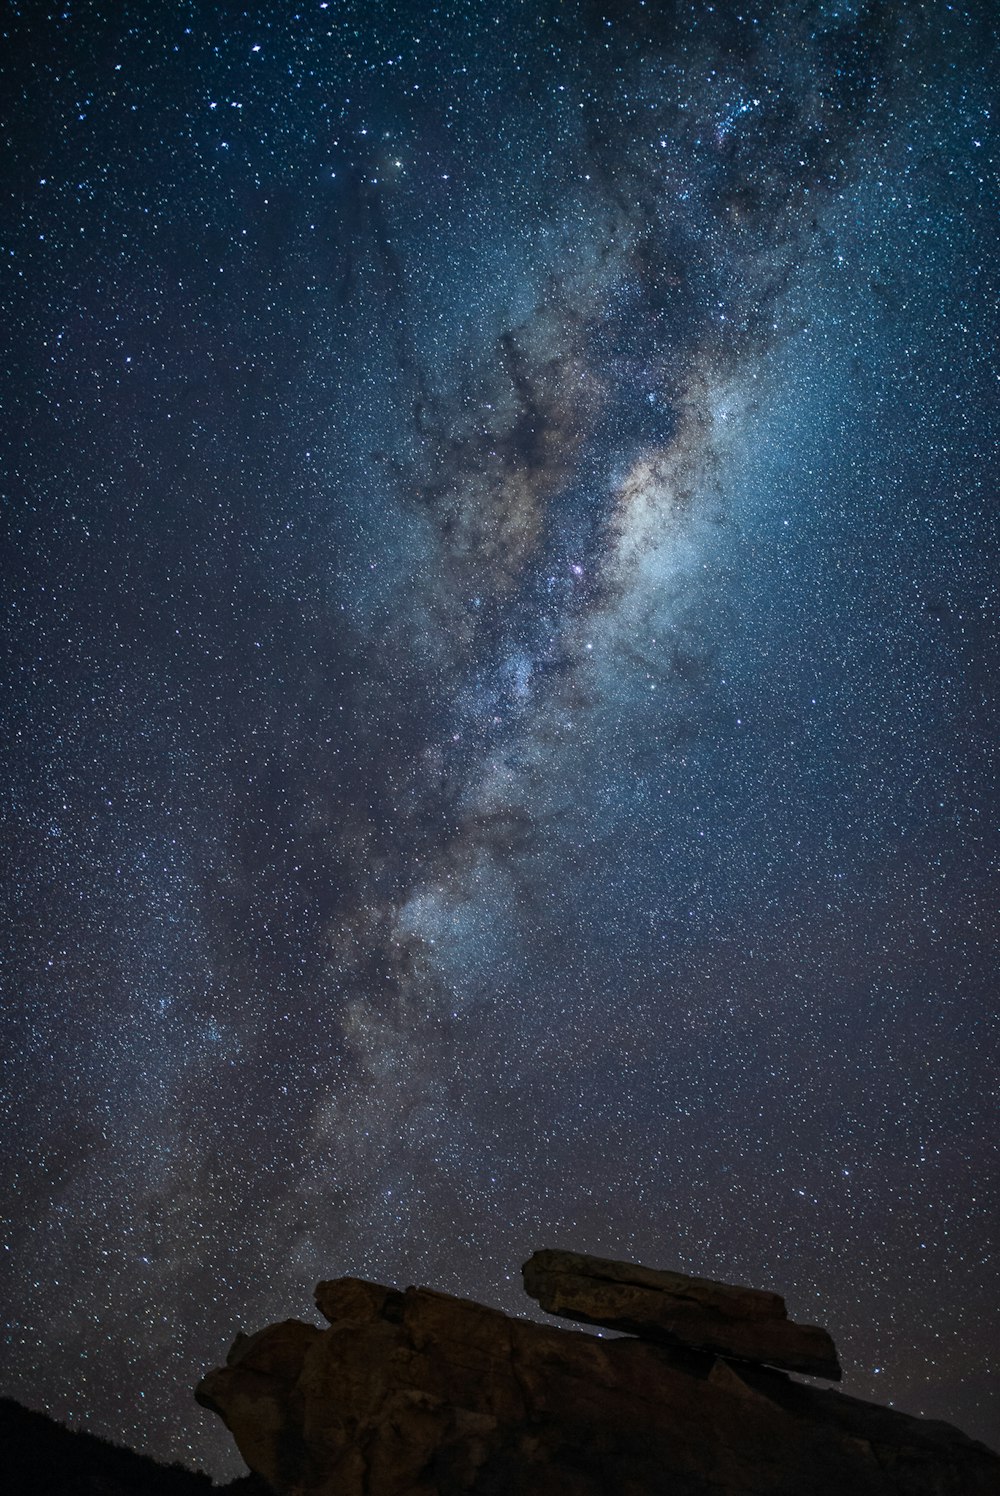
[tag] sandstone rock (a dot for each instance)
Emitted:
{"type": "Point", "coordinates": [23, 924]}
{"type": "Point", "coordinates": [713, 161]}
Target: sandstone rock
{"type": "Point", "coordinates": [421, 1394]}
{"type": "Point", "coordinates": [745, 1323]}
{"type": "Point", "coordinates": [258, 1387]}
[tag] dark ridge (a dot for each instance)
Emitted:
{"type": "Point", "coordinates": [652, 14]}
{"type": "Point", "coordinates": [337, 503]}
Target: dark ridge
{"type": "Point", "coordinates": [42, 1458]}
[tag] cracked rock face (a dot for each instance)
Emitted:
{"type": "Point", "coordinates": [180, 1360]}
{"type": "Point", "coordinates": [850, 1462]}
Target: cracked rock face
{"type": "Point", "coordinates": [419, 1393]}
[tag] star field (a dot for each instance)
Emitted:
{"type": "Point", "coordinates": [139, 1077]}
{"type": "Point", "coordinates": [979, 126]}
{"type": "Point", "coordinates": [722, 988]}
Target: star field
{"type": "Point", "coordinates": [500, 577]}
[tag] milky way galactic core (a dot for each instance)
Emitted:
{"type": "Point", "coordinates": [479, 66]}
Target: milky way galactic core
{"type": "Point", "coordinates": [501, 580]}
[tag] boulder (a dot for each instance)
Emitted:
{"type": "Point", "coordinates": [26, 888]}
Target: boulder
{"type": "Point", "coordinates": [417, 1393]}
{"type": "Point", "coordinates": [745, 1323]}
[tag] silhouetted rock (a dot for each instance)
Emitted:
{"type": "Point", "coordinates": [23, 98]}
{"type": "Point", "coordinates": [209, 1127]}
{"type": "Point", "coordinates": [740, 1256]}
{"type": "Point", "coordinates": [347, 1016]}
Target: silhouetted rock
{"type": "Point", "coordinates": [40, 1457]}
{"type": "Point", "coordinates": [746, 1323]}
{"type": "Point", "coordinates": [416, 1393]}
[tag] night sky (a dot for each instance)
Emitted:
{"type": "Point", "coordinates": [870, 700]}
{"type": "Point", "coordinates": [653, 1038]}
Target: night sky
{"type": "Point", "coordinates": [500, 580]}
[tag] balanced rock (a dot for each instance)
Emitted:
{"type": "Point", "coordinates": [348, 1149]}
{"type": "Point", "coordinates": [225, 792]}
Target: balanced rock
{"type": "Point", "coordinates": [745, 1323]}
{"type": "Point", "coordinates": [416, 1393]}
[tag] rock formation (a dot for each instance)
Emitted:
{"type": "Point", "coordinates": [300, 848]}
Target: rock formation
{"type": "Point", "coordinates": [742, 1322]}
{"type": "Point", "coordinates": [417, 1393]}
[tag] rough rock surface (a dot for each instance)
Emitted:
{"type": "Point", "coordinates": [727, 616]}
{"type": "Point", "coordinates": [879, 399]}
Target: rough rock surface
{"type": "Point", "coordinates": [421, 1394]}
{"type": "Point", "coordinates": [740, 1322]}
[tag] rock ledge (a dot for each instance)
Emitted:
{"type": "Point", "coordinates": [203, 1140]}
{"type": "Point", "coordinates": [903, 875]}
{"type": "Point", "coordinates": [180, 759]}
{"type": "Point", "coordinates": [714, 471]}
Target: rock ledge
{"type": "Point", "coordinates": [745, 1323]}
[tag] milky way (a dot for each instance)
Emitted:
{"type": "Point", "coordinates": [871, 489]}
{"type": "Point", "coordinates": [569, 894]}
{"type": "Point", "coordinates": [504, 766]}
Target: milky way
{"type": "Point", "coordinates": [502, 618]}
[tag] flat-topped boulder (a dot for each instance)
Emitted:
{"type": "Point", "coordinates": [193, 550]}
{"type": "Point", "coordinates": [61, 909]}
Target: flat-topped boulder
{"type": "Point", "coordinates": [747, 1324]}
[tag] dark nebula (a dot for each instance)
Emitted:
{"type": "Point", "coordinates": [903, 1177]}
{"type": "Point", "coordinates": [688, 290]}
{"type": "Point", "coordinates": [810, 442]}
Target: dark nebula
{"type": "Point", "coordinates": [501, 596]}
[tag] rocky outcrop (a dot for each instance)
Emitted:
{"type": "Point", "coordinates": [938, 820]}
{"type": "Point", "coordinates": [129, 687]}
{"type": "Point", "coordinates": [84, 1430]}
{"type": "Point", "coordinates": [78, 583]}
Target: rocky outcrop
{"type": "Point", "coordinates": [416, 1393]}
{"type": "Point", "coordinates": [746, 1323]}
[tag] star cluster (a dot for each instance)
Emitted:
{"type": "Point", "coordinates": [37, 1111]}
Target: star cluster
{"type": "Point", "coordinates": [500, 578]}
